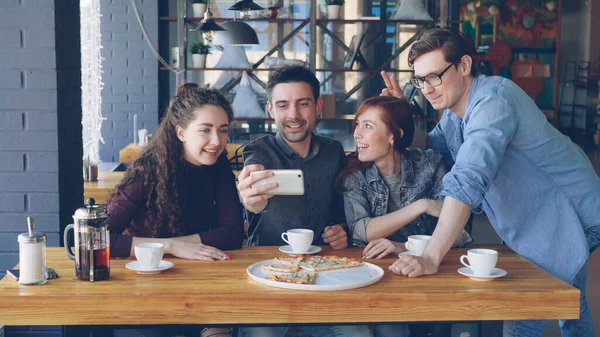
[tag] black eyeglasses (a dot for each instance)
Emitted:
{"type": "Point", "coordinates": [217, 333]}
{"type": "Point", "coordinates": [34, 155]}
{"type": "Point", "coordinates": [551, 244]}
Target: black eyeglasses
{"type": "Point", "coordinates": [432, 79]}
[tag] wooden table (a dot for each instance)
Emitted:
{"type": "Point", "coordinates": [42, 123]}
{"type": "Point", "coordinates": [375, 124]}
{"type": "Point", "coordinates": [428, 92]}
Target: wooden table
{"type": "Point", "coordinates": [201, 292]}
{"type": "Point", "coordinates": [100, 189]}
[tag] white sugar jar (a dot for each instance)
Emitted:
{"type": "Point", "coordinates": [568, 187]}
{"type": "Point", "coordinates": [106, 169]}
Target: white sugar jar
{"type": "Point", "coordinates": [32, 256]}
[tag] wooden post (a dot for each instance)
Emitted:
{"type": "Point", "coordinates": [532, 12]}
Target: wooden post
{"type": "Point", "coordinates": [495, 28]}
{"type": "Point", "coordinates": [477, 33]}
{"type": "Point", "coordinates": [556, 117]}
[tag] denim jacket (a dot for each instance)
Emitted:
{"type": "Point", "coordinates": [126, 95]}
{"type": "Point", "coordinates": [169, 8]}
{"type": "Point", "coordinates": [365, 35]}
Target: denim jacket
{"type": "Point", "coordinates": [366, 196]}
{"type": "Point", "coordinates": [537, 188]}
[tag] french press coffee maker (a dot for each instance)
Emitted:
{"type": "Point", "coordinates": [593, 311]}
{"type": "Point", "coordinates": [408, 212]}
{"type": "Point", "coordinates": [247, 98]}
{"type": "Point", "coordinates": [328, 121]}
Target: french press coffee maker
{"type": "Point", "coordinates": [92, 242]}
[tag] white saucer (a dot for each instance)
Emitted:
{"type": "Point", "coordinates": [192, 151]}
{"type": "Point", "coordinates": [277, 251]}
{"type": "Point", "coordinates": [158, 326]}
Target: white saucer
{"type": "Point", "coordinates": [162, 266]}
{"type": "Point", "coordinates": [288, 250]}
{"type": "Point", "coordinates": [406, 253]}
{"type": "Point", "coordinates": [496, 272]}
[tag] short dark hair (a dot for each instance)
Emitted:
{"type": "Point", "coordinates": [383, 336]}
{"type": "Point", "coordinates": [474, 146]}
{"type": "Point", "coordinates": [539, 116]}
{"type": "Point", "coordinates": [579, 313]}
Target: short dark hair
{"type": "Point", "coordinates": [452, 42]}
{"type": "Point", "coordinates": [290, 74]}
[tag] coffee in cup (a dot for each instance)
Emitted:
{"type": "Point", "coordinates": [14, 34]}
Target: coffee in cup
{"type": "Point", "coordinates": [299, 239]}
{"type": "Point", "coordinates": [149, 255]}
{"type": "Point", "coordinates": [416, 244]}
{"type": "Point", "coordinates": [481, 261]}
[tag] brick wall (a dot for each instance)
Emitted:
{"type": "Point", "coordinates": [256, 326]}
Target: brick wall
{"type": "Point", "coordinates": [28, 124]}
{"type": "Point", "coordinates": [130, 73]}
{"type": "Point", "coordinates": [40, 95]}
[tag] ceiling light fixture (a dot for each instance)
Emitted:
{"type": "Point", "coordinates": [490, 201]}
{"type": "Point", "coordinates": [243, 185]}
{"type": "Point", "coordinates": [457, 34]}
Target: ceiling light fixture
{"type": "Point", "coordinates": [208, 26]}
{"type": "Point", "coordinates": [236, 33]}
{"type": "Point", "coordinates": [239, 33]}
{"type": "Point", "coordinates": [245, 7]}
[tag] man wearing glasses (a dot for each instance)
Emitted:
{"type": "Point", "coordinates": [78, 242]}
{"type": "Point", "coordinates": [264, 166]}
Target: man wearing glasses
{"type": "Point", "coordinates": [537, 188]}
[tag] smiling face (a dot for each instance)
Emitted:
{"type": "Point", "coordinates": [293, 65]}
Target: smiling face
{"type": "Point", "coordinates": [205, 137]}
{"type": "Point", "coordinates": [453, 89]}
{"type": "Point", "coordinates": [294, 109]}
{"type": "Point", "coordinates": [372, 136]}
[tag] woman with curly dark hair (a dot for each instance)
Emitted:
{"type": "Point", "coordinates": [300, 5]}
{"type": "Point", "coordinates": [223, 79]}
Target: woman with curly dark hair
{"type": "Point", "coordinates": [181, 191]}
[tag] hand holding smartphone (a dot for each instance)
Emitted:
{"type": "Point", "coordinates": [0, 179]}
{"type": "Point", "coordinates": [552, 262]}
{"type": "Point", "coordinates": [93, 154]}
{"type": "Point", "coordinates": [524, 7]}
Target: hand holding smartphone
{"type": "Point", "coordinates": [289, 182]}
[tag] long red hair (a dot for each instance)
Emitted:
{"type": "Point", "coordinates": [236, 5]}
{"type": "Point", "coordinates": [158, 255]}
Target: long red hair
{"type": "Point", "coordinates": [396, 114]}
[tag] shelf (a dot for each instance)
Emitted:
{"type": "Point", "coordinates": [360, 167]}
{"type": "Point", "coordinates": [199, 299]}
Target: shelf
{"type": "Point", "coordinates": [343, 21]}
{"type": "Point", "coordinates": [264, 119]}
{"type": "Point", "coordinates": [573, 105]}
{"type": "Point", "coordinates": [174, 19]}
{"type": "Point", "coordinates": [527, 50]}
{"type": "Point", "coordinates": [330, 119]}
{"type": "Point", "coordinates": [410, 22]}
{"type": "Point", "coordinates": [332, 70]}
{"type": "Point", "coordinates": [223, 69]}
{"type": "Point", "coordinates": [338, 70]}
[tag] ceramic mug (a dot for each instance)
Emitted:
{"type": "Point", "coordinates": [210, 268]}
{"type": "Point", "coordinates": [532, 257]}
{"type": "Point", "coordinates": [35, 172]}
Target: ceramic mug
{"type": "Point", "coordinates": [416, 244]}
{"type": "Point", "coordinates": [481, 261]}
{"type": "Point", "coordinates": [299, 239]}
{"type": "Point", "coordinates": [149, 255]}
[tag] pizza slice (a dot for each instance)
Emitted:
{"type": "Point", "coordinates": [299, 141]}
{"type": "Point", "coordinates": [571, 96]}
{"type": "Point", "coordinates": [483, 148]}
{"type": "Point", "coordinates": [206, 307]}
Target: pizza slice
{"type": "Point", "coordinates": [283, 265]}
{"type": "Point", "coordinates": [300, 277]}
{"type": "Point", "coordinates": [281, 268]}
{"type": "Point", "coordinates": [289, 260]}
{"type": "Point", "coordinates": [332, 262]}
{"type": "Point", "coordinates": [310, 262]}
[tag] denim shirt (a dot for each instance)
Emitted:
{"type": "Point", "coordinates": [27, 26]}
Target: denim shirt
{"type": "Point", "coordinates": [537, 188]}
{"type": "Point", "coordinates": [366, 196]}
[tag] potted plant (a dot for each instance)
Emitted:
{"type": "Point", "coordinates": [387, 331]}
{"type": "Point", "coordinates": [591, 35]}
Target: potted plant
{"type": "Point", "coordinates": [199, 51]}
{"type": "Point", "coordinates": [334, 8]}
{"type": "Point", "coordinates": [199, 7]}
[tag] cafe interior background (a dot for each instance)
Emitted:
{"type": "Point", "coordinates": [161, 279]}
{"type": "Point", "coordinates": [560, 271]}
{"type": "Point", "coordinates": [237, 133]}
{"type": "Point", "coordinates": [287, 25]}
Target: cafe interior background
{"type": "Point", "coordinates": [74, 94]}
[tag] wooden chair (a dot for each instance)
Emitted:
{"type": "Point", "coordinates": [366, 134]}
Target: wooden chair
{"type": "Point", "coordinates": [236, 147]}
{"type": "Point", "coordinates": [234, 154]}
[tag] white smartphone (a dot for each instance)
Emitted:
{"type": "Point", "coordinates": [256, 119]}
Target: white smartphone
{"type": "Point", "coordinates": [289, 182]}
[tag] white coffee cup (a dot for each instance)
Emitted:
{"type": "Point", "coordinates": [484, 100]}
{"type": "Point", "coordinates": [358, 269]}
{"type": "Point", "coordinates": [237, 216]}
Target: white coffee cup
{"type": "Point", "coordinates": [416, 244]}
{"type": "Point", "coordinates": [299, 239]}
{"type": "Point", "coordinates": [481, 261]}
{"type": "Point", "coordinates": [149, 255]}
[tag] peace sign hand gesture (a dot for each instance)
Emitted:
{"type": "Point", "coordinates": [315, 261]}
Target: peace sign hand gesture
{"type": "Point", "coordinates": [392, 87]}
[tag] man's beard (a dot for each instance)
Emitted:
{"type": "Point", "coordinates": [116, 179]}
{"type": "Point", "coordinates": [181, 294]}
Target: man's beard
{"type": "Point", "coordinates": [295, 137]}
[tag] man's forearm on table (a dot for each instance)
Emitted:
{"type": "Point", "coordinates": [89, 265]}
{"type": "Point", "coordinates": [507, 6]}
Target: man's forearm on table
{"type": "Point", "coordinates": [452, 220]}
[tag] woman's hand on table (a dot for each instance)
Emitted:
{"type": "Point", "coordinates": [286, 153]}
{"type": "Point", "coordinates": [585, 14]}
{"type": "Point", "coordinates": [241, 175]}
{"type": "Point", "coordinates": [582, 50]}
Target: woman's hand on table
{"type": "Point", "coordinates": [184, 249]}
{"type": "Point", "coordinates": [414, 266]}
{"type": "Point", "coordinates": [379, 248]}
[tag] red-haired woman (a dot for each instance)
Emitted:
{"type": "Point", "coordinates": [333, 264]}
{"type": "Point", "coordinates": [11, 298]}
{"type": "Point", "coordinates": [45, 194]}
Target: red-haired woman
{"type": "Point", "coordinates": [390, 192]}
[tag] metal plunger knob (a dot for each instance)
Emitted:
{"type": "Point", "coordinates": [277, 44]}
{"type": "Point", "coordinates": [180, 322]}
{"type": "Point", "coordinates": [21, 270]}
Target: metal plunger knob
{"type": "Point", "coordinates": [30, 225]}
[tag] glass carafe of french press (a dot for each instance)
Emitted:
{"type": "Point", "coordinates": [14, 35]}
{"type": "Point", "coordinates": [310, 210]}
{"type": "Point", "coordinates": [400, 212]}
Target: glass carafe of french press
{"type": "Point", "coordinates": [92, 242]}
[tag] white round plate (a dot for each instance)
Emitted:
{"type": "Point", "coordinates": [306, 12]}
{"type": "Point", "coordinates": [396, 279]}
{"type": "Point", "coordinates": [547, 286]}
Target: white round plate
{"type": "Point", "coordinates": [288, 250]}
{"type": "Point", "coordinates": [162, 266]}
{"type": "Point", "coordinates": [406, 253]}
{"type": "Point", "coordinates": [496, 272]}
{"type": "Point", "coordinates": [340, 279]}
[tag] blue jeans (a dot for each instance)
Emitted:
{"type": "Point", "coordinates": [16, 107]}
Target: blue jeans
{"type": "Point", "coordinates": [392, 330]}
{"type": "Point", "coordinates": [582, 327]}
{"type": "Point", "coordinates": [313, 330]}
{"type": "Point", "coordinates": [160, 330]}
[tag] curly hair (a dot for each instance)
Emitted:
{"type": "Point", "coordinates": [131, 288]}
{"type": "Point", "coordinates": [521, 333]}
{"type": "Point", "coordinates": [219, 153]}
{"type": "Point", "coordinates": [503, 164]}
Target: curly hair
{"type": "Point", "coordinates": [160, 165]}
